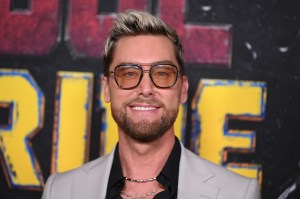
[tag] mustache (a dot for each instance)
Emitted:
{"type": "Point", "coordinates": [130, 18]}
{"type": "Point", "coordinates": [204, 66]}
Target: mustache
{"type": "Point", "coordinates": [151, 101]}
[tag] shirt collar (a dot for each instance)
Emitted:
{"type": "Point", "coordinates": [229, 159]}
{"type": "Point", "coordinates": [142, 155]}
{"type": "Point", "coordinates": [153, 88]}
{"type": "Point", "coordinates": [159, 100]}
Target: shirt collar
{"type": "Point", "coordinates": [116, 179]}
{"type": "Point", "coordinates": [169, 174]}
{"type": "Point", "coordinates": [167, 177]}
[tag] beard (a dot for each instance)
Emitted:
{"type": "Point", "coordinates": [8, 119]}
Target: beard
{"type": "Point", "coordinates": [144, 131]}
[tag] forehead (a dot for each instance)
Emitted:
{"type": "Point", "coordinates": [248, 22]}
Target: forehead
{"type": "Point", "coordinates": [143, 49]}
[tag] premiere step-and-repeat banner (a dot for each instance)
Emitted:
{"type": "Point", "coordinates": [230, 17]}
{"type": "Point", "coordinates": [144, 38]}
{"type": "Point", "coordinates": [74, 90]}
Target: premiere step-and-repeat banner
{"type": "Point", "coordinates": [243, 64]}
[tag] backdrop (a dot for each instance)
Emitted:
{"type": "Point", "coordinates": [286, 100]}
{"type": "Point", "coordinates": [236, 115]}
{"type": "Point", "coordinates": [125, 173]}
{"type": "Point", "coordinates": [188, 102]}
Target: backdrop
{"type": "Point", "coordinates": [242, 60]}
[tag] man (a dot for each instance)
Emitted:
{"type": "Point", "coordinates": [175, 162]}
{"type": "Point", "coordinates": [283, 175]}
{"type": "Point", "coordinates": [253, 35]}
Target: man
{"type": "Point", "coordinates": [145, 82]}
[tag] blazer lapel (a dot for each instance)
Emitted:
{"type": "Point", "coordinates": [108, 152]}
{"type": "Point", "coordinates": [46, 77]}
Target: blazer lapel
{"type": "Point", "coordinates": [193, 175]}
{"type": "Point", "coordinates": [92, 183]}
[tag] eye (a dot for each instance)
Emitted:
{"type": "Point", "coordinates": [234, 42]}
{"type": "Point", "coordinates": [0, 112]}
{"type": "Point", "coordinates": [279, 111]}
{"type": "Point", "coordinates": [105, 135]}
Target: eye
{"type": "Point", "coordinates": [128, 72]}
{"type": "Point", "coordinates": [161, 74]}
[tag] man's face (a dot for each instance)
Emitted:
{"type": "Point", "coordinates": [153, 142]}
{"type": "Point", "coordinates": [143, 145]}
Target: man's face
{"type": "Point", "coordinates": [145, 112]}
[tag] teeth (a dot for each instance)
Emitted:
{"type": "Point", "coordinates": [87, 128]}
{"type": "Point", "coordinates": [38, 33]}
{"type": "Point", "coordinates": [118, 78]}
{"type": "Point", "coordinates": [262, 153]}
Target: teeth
{"type": "Point", "coordinates": [140, 108]}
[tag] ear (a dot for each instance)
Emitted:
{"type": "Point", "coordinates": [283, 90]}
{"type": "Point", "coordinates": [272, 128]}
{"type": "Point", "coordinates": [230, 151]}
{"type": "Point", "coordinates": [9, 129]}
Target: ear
{"type": "Point", "coordinates": [105, 88]}
{"type": "Point", "coordinates": [184, 89]}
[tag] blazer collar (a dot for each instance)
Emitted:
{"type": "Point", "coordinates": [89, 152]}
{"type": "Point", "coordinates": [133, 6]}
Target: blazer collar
{"type": "Point", "coordinates": [93, 179]}
{"type": "Point", "coordinates": [193, 175]}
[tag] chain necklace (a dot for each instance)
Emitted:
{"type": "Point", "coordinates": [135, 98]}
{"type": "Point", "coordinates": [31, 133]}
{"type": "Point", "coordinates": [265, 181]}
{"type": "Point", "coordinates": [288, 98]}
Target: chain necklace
{"type": "Point", "coordinates": [151, 193]}
{"type": "Point", "coordinates": [140, 181]}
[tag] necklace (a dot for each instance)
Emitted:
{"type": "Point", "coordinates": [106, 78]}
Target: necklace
{"type": "Point", "coordinates": [146, 195]}
{"type": "Point", "coordinates": [140, 181]}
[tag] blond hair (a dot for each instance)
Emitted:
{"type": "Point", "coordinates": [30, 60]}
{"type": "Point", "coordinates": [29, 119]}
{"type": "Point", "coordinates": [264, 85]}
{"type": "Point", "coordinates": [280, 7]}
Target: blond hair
{"type": "Point", "coordinates": [133, 23]}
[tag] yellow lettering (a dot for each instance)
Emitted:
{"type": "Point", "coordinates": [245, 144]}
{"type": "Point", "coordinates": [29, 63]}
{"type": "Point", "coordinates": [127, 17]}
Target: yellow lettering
{"type": "Point", "coordinates": [71, 136]}
{"type": "Point", "coordinates": [26, 101]}
{"type": "Point", "coordinates": [215, 102]}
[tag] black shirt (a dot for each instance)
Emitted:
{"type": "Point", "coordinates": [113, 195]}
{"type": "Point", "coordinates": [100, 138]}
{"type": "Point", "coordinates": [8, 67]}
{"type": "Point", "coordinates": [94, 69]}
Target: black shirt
{"type": "Point", "coordinates": [167, 177]}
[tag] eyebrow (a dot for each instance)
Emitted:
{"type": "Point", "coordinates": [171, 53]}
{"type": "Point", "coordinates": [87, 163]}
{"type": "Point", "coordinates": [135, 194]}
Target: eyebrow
{"type": "Point", "coordinates": [153, 63]}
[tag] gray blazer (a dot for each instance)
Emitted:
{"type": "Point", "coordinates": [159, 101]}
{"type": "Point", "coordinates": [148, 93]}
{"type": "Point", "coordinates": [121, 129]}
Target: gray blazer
{"type": "Point", "coordinates": [198, 178]}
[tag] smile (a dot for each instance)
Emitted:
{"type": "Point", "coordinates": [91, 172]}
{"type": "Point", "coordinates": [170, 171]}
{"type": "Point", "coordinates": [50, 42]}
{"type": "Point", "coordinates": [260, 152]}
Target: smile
{"type": "Point", "coordinates": [143, 108]}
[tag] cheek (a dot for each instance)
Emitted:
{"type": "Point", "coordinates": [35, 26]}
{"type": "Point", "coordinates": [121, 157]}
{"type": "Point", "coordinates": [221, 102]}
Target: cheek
{"type": "Point", "coordinates": [173, 100]}
{"type": "Point", "coordinates": [119, 98]}
{"type": "Point", "coordinates": [116, 100]}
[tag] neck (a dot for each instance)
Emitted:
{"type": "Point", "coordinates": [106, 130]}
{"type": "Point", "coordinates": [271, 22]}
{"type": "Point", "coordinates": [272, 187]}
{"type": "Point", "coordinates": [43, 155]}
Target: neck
{"type": "Point", "coordinates": [144, 160]}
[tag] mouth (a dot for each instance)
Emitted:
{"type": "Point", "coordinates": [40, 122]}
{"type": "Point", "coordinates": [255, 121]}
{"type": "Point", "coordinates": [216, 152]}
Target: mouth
{"type": "Point", "coordinates": [145, 105]}
{"type": "Point", "coordinates": [144, 108]}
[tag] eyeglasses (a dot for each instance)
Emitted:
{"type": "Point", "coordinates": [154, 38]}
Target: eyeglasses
{"type": "Point", "coordinates": [129, 76]}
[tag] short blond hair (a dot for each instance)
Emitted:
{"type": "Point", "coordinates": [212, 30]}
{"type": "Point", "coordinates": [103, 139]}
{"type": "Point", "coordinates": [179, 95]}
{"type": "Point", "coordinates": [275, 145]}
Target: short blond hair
{"type": "Point", "coordinates": [133, 23]}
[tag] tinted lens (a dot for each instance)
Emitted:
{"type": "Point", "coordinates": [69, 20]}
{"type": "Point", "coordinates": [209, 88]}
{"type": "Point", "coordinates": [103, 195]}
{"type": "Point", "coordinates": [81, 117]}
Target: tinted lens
{"type": "Point", "coordinates": [127, 76]}
{"type": "Point", "coordinates": [164, 76]}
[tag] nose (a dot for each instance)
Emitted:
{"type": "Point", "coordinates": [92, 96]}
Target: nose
{"type": "Point", "coordinates": [146, 86]}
